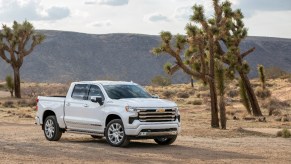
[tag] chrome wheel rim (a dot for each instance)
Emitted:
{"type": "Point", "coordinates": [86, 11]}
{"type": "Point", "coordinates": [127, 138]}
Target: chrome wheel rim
{"type": "Point", "coordinates": [49, 128]}
{"type": "Point", "coordinates": [115, 133]}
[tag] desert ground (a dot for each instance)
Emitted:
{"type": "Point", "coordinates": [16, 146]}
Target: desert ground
{"type": "Point", "coordinates": [247, 139]}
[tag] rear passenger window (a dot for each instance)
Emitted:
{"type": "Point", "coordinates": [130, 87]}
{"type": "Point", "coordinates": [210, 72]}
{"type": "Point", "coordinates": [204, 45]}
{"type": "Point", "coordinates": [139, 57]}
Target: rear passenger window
{"type": "Point", "coordinates": [81, 91]}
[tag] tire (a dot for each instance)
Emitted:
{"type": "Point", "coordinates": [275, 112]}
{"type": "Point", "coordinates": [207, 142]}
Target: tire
{"type": "Point", "coordinates": [96, 137]}
{"type": "Point", "coordinates": [52, 131]}
{"type": "Point", "coordinates": [115, 134]}
{"type": "Point", "coordinates": [165, 140]}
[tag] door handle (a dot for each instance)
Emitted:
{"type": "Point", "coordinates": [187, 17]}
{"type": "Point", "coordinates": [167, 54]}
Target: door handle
{"type": "Point", "coordinates": [67, 104]}
{"type": "Point", "coordinates": [86, 105]}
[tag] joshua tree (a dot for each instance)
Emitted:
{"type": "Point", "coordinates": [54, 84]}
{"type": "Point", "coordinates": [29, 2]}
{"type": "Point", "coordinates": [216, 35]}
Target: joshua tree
{"type": "Point", "coordinates": [203, 45]}
{"type": "Point", "coordinates": [15, 44]}
{"type": "Point", "coordinates": [10, 84]}
{"type": "Point", "coordinates": [232, 35]}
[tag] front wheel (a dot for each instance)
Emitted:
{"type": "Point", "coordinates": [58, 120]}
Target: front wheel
{"type": "Point", "coordinates": [165, 140]}
{"type": "Point", "coordinates": [115, 134]}
{"type": "Point", "coordinates": [51, 129]}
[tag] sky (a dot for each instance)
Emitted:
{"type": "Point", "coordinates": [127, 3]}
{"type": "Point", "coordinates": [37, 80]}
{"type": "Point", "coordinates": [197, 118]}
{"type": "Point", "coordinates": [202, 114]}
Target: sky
{"type": "Point", "coordinates": [262, 17]}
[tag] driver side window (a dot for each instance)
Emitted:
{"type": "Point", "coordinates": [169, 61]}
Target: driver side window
{"type": "Point", "coordinates": [95, 91]}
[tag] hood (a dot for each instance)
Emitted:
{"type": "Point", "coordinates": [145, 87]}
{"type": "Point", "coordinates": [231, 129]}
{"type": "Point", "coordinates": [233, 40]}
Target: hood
{"type": "Point", "coordinates": [146, 102]}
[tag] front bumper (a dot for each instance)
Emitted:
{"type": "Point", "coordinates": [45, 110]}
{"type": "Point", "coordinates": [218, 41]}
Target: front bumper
{"type": "Point", "coordinates": [154, 130]}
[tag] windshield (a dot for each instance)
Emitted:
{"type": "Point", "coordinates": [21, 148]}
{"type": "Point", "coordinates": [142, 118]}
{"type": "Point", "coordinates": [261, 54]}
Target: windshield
{"type": "Point", "coordinates": [126, 91]}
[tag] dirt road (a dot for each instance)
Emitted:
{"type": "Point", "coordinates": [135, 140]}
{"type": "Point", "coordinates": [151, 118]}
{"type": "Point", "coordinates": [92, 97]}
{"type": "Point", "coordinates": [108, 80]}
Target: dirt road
{"type": "Point", "coordinates": [23, 142]}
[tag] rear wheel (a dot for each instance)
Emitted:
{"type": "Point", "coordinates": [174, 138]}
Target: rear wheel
{"type": "Point", "coordinates": [165, 140]}
{"type": "Point", "coordinates": [51, 129]}
{"type": "Point", "coordinates": [115, 134]}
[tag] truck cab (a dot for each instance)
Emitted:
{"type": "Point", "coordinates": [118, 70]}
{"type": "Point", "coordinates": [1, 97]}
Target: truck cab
{"type": "Point", "coordinates": [117, 110]}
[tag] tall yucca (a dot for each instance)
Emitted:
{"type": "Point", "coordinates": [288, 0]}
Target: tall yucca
{"type": "Point", "coordinates": [244, 97]}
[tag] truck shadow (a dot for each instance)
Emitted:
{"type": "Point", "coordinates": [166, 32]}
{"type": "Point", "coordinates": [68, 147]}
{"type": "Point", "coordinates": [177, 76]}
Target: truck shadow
{"type": "Point", "coordinates": [175, 151]}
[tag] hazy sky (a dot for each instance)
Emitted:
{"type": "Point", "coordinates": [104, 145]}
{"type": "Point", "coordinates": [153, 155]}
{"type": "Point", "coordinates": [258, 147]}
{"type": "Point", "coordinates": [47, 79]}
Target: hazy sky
{"type": "Point", "coordinates": [262, 17]}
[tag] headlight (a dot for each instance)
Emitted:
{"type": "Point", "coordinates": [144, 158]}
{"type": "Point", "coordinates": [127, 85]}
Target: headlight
{"type": "Point", "coordinates": [131, 109]}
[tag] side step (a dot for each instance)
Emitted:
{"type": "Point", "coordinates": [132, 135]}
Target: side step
{"type": "Point", "coordinates": [85, 132]}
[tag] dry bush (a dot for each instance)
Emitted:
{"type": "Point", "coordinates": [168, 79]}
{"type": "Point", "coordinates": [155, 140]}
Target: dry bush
{"type": "Point", "coordinates": [168, 93]}
{"type": "Point", "coordinates": [26, 103]}
{"type": "Point", "coordinates": [285, 133]}
{"type": "Point", "coordinates": [274, 105]}
{"type": "Point", "coordinates": [197, 102]}
{"type": "Point", "coordinates": [232, 93]}
{"type": "Point", "coordinates": [274, 72]}
{"type": "Point", "coordinates": [183, 95]}
{"type": "Point", "coordinates": [203, 88]}
{"type": "Point", "coordinates": [262, 93]}
{"type": "Point", "coordinates": [9, 104]}
{"type": "Point", "coordinates": [161, 81]}
{"type": "Point", "coordinates": [3, 87]}
{"type": "Point", "coordinates": [33, 91]}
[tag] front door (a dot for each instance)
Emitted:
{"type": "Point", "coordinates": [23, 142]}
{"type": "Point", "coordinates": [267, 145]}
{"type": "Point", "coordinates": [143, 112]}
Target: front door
{"type": "Point", "coordinates": [80, 112]}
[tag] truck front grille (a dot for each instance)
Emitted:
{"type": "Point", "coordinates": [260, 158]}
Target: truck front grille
{"type": "Point", "coordinates": [157, 115]}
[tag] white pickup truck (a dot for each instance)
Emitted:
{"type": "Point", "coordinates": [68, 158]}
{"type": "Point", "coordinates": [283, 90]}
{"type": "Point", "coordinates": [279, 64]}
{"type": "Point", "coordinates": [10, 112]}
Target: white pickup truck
{"type": "Point", "coordinates": [120, 111]}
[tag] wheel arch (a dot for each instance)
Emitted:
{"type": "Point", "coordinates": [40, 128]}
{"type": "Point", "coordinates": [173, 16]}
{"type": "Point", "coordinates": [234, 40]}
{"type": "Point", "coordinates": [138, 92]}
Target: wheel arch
{"type": "Point", "coordinates": [111, 117]}
{"type": "Point", "coordinates": [46, 114]}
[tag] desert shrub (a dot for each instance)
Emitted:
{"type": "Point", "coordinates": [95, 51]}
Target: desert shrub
{"type": "Point", "coordinates": [273, 104]}
{"type": "Point", "coordinates": [161, 81]}
{"type": "Point", "coordinates": [168, 93]}
{"type": "Point", "coordinates": [262, 93]}
{"type": "Point", "coordinates": [274, 112]}
{"type": "Point", "coordinates": [10, 84]}
{"type": "Point", "coordinates": [26, 103]}
{"type": "Point", "coordinates": [191, 92]}
{"type": "Point", "coordinates": [203, 88]}
{"type": "Point", "coordinates": [3, 87]}
{"type": "Point", "coordinates": [232, 93]}
{"type": "Point", "coordinates": [22, 103]}
{"type": "Point", "coordinates": [8, 104]}
{"type": "Point", "coordinates": [183, 95]}
{"type": "Point", "coordinates": [197, 102]}
{"type": "Point", "coordinates": [285, 133]}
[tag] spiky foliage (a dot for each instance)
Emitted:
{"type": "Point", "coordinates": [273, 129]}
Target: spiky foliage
{"type": "Point", "coordinates": [18, 42]}
{"type": "Point", "coordinates": [10, 84]}
{"type": "Point", "coordinates": [220, 82]}
{"type": "Point", "coordinates": [244, 97]}
{"type": "Point", "coordinates": [261, 73]}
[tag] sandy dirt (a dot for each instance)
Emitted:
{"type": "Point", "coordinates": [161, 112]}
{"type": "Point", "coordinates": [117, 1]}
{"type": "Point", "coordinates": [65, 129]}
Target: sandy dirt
{"type": "Point", "coordinates": [23, 142]}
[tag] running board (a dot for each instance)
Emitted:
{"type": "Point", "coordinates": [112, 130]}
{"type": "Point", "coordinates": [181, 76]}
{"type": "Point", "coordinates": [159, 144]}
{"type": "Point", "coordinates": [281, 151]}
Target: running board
{"type": "Point", "coordinates": [85, 132]}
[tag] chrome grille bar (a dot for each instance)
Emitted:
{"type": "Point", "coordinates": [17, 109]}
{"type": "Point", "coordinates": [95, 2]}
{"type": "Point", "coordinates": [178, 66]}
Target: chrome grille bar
{"type": "Point", "coordinates": [157, 115]}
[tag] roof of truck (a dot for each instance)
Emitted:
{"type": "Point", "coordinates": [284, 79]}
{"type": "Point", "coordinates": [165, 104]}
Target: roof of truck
{"type": "Point", "coordinates": [107, 82]}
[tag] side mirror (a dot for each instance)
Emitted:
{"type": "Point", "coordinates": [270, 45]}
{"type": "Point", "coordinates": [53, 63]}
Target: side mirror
{"type": "Point", "coordinates": [98, 99]}
{"type": "Point", "coordinates": [156, 96]}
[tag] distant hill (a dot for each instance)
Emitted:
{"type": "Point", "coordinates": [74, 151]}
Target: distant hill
{"type": "Point", "coordinates": [71, 56]}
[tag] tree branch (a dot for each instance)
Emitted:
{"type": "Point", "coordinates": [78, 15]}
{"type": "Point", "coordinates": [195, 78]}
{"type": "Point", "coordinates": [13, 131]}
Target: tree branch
{"type": "Point", "coordinates": [247, 52]}
{"type": "Point", "coordinates": [3, 56]}
{"type": "Point", "coordinates": [181, 64]}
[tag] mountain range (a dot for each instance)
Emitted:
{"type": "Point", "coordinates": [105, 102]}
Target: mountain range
{"type": "Point", "coordinates": [71, 56]}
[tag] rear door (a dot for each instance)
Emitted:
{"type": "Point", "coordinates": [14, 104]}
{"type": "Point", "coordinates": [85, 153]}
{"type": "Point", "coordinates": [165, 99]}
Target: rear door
{"type": "Point", "coordinates": [74, 106]}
